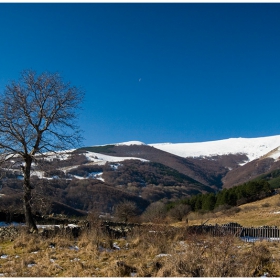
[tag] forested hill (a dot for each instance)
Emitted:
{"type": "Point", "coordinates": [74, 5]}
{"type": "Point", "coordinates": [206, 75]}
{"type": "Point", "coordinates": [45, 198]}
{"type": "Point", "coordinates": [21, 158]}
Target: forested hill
{"type": "Point", "coordinates": [238, 195]}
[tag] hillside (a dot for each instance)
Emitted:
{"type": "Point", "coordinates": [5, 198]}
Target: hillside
{"type": "Point", "coordinates": [258, 213]}
{"type": "Point", "coordinates": [99, 177]}
{"type": "Point", "coordinates": [207, 171]}
{"type": "Point", "coordinates": [73, 197]}
{"type": "Point", "coordinates": [253, 148]}
{"type": "Point", "coordinates": [218, 164]}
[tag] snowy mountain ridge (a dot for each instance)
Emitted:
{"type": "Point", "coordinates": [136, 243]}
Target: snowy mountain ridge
{"type": "Point", "coordinates": [253, 148]}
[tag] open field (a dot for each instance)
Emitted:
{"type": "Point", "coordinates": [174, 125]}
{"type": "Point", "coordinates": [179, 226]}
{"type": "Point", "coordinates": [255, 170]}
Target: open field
{"type": "Point", "coordinates": [152, 250]}
{"type": "Point", "coordinates": [258, 213]}
{"type": "Point", "coordinates": [149, 250]}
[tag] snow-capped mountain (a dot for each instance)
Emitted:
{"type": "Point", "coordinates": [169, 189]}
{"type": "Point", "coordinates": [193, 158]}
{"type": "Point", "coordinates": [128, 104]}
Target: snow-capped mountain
{"type": "Point", "coordinates": [253, 148]}
{"type": "Point", "coordinates": [145, 173]}
{"type": "Point", "coordinates": [221, 163]}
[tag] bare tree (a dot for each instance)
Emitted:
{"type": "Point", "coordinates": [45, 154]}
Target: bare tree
{"type": "Point", "coordinates": [126, 210]}
{"type": "Point", "coordinates": [37, 116]}
{"type": "Point", "coordinates": [179, 211]}
{"type": "Point", "coordinates": [155, 212]}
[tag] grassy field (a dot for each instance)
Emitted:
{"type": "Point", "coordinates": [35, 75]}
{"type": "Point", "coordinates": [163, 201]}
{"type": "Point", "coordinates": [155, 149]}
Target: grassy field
{"type": "Point", "coordinates": [150, 250]}
{"type": "Point", "coordinates": [154, 251]}
{"type": "Point", "coordinates": [258, 213]}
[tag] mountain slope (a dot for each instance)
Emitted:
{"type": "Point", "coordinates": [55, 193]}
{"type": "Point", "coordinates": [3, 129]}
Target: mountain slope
{"type": "Point", "coordinates": [253, 148]}
{"type": "Point", "coordinates": [218, 164]}
{"type": "Point", "coordinates": [265, 164]}
{"type": "Point", "coordinates": [185, 166]}
{"type": "Point", "coordinates": [99, 176]}
{"type": "Point", "coordinates": [238, 159]}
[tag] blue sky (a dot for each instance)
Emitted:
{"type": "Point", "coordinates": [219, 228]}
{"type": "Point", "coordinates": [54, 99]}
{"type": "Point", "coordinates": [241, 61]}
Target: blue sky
{"type": "Point", "coordinates": [156, 72]}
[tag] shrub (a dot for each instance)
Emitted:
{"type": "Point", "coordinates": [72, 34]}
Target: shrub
{"type": "Point", "coordinates": [155, 212]}
{"type": "Point", "coordinates": [125, 211]}
{"type": "Point", "coordinates": [266, 204]}
{"type": "Point", "coordinates": [179, 211]}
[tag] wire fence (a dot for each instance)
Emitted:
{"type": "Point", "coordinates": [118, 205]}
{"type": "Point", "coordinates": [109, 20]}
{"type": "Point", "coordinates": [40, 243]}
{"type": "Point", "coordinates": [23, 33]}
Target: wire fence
{"type": "Point", "coordinates": [247, 234]}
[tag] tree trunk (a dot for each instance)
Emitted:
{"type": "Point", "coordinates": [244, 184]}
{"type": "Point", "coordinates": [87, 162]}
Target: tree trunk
{"type": "Point", "coordinates": [30, 223]}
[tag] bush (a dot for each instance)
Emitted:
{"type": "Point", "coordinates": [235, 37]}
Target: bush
{"type": "Point", "coordinates": [266, 204]}
{"type": "Point", "coordinates": [179, 211]}
{"type": "Point", "coordinates": [125, 211]}
{"type": "Point", "coordinates": [155, 212]}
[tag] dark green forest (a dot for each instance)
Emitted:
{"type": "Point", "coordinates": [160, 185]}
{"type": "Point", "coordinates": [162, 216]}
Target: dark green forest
{"type": "Point", "coordinates": [241, 194]}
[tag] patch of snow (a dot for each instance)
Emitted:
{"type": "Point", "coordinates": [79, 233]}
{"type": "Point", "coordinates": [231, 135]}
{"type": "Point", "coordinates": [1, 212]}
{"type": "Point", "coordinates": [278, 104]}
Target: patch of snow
{"type": "Point", "coordinates": [129, 143]}
{"type": "Point", "coordinates": [102, 159]}
{"type": "Point", "coordinates": [276, 212]}
{"type": "Point", "coordinates": [75, 260]}
{"type": "Point", "coordinates": [275, 154]}
{"type": "Point", "coordinates": [249, 239]}
{"type": "Point", "coordinates": [4, 224]}
{"type": "Point", "coordinates": [31, 265]}
{"type": "Point", "coordinates": [253, 148]}
{"type": "Point", "coordinates": [265, 274]}
{"type": "Point", "coordinates": [61, 155]}
{"type": "Point", "coordinates": [47, 226]}
{"type": "Point", "coordinates": [243, 163]}
{"type": "Point", "coordinates": [94, 174]}
{"type": "Point", "coordinates": [75, 248]}
{"type": "Point", "coordinates": [4, 257]}
{"type": "Point", "coordinates": [72, 225]}
{"type": "Point", "coordinates": [254, 239]}
{"type": "Point", "coordinates": [78, 177]}
{"type": "Point", "coordinates": [163, 255]}
{"type": "Point", "coordinates": [102, 249]}
{"type": "Point", "coordinates": [39, 174]}
{"type": "Point", "coordinates": [115, 246]}
{"type": "Point", "coordinates": [115, 166]}
{"type": "Point", "coordinates": [100, 178]}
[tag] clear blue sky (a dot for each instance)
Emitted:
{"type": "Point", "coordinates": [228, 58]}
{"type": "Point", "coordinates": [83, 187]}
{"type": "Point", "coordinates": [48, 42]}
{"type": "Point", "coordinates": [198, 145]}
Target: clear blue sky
{"type": "Point", "coordinates": [154, 72]}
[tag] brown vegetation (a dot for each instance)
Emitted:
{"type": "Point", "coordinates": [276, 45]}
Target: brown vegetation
{"type": "Point", "coordinates": [147, 251]}
{"type": "Point", "coordinates": [258, 213]}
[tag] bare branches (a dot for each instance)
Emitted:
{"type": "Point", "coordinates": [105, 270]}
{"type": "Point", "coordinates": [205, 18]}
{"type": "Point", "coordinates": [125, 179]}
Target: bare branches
{"type": "Point", "coordinates": [38, 114]}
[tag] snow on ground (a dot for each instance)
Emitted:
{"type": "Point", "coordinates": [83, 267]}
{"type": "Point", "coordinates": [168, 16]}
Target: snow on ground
{"type": "Point", "coordinates": [252, 147]}
{"type": "Point", "coordinates": [102, 159]}
{"type": "Point", "coordinates": [4, 224]}
{"type": "Point", "coordinates": [61, 155]}
{"type": "Point", "coordinates": [94, 175]}
{"type": "Point", "coordinates": [129, 143]}
{"type": "Point", "coordinates": [275, 154]}
{"type": "Point", "coordinates": [39, 174]}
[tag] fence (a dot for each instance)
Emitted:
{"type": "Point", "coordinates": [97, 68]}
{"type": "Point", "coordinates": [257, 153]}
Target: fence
{"type": "Point", "coordinates": [247, 234]}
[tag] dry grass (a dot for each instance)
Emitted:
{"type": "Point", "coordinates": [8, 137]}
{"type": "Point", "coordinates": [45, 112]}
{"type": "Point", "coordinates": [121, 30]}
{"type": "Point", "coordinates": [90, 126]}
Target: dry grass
{"type": "Point", "coordinates": [258, 213]}
{"type": "Point", "coordinates": [153, 250]}
{"type": "Point", "coordinates": [150, 250]}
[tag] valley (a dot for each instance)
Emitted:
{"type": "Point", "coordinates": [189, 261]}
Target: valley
{"type": "Point", "coordinates": [144, 191]}
{"type": "Point", "coordinates": [97, 178]}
